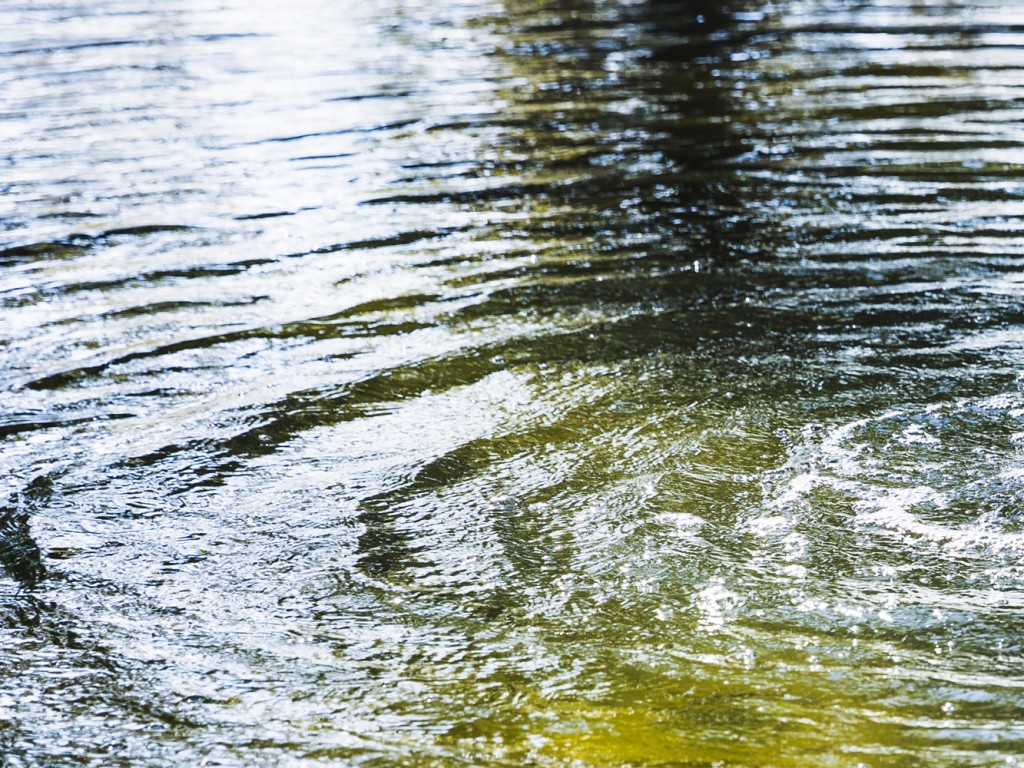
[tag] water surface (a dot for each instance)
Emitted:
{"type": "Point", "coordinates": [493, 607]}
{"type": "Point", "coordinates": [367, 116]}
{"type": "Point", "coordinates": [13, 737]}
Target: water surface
{"type": "Point", "coordinates": [557, 382]}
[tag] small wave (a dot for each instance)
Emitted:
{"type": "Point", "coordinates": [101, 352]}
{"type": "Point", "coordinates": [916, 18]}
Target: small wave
{"type": "Point", "coordinates": [943, 476]}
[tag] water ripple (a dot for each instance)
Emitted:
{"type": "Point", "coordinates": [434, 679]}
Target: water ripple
{"type": "Point", "coordinates": [499, 382]}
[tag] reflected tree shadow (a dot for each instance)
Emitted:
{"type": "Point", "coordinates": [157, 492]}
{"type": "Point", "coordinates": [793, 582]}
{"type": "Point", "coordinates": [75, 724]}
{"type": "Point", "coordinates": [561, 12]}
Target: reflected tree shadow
{"type": "Point", "coordinates": [614, 153]}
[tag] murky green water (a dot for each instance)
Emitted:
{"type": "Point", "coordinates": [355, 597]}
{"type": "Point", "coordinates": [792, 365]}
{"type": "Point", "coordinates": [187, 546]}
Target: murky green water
{"type": "Point", "coordinates": [511, 383]}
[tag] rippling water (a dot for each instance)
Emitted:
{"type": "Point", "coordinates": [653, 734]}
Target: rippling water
{"type": "Point", "coordinates": [533, 382]}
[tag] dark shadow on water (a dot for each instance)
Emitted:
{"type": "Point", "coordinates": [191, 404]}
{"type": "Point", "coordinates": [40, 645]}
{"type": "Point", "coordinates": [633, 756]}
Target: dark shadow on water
{"type": "Point", "coordinates": [614, 158]}
{"type": "Point", "coordinates": [20, 556]}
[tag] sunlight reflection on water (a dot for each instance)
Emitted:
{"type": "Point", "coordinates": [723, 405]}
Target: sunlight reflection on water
{"type": "Point", "coordinates": [510, 383]}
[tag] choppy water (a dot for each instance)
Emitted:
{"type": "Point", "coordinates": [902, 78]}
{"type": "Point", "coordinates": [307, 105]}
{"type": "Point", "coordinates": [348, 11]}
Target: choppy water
{"type": "Point", "coordinates": [511, 383]}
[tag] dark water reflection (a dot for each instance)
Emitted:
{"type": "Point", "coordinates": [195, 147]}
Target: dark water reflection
{"type": "Point", "coordinates": [521, 383]}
